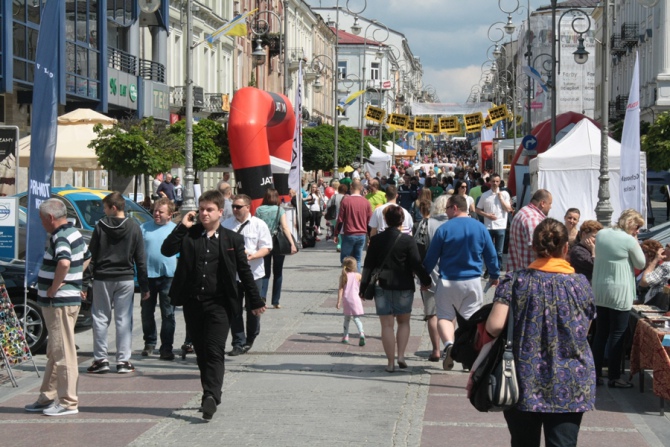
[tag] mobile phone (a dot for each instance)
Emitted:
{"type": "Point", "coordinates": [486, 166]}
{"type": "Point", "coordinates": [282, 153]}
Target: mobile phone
{"type": "Point", "coordinates": [193, 217]}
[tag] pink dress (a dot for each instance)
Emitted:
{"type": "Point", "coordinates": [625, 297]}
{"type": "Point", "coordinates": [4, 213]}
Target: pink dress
{"type": "Point", "coordinates": [351, 302]}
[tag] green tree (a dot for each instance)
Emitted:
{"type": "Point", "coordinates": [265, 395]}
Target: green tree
{"type": "Point", "coordinates": [135, 147]}
{"type": "Point", "coordinates": [209, 143]}
{"type": "Point", "coordinates": [318, 147]}
{"type": "Point", "coordinates": [656, 143]}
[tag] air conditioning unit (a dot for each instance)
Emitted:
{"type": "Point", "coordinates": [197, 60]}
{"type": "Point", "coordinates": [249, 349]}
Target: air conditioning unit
{"type": "Point", "coordinates": [198, 97]}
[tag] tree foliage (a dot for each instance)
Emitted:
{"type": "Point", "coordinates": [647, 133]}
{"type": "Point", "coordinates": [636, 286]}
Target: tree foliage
{"type": "Point", "coordinates": [136, 147]}
{"type": "Point", "coordinates": [210, 143]}
{"type": "Point", "coordinates": [318, 147]}
{"type": "Point", "coordinates": [656, 143]}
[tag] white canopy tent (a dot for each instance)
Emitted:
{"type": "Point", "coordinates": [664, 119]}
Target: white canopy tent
{"type": "Point", "coordinates": [379, 162]}
{"type": "Point", "coordinates": [75, 132]}
{"type": "Point", "coordinates": [570, 171]}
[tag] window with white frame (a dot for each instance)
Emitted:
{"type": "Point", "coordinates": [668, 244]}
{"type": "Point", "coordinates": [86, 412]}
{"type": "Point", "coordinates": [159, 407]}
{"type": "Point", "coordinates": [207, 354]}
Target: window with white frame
{"type": "Point", "coordinates": [374, 71]}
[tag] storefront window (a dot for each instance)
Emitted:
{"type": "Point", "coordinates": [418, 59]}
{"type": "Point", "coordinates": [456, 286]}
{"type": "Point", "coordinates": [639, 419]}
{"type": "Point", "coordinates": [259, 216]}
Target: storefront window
{"type": "Point", "coordinates": [26, 19]}
{"type": "Point", "coordinates": [81, 48]}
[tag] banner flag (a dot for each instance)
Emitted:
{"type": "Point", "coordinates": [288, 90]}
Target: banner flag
{"type": "Point", "coordinates": [296, 158]}
{"type": "Point", "coordinates": [236, 27]}
{"type": "Point", "coordinates": [42, 132]}
{"type": "Point", "coordinates": [344, 105]}
{"type": "Point", "coordinates": [631, 187]}
{"type": "Point", "coordinates": [533, 74]}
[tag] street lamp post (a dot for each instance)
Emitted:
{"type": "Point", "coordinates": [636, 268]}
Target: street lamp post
{"type": "Point", "coordinates": [581, 55]}
{"type": "Point", "coordinates": [604, 208]}
{"type": "Point", "coordinates": [355, 29]}
{"type": "Point", "coordinates": [363, 67]}
{"type": "Point", "coordinates": [189, 174]}
{"type": "Point", "coordinates": [261, 27]}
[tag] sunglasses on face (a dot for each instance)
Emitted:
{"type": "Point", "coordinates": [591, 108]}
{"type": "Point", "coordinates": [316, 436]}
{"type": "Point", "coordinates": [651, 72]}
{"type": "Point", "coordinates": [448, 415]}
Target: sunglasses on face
{"type": "Point", "coordinates": [238, 207]}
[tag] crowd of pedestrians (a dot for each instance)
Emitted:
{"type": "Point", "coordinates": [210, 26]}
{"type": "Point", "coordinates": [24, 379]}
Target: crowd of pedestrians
{"type": "Point", "coordinates": [438, 229]}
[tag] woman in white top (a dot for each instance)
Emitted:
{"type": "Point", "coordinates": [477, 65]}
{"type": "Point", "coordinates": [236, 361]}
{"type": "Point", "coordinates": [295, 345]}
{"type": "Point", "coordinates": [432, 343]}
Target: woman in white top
{"type": "Point", "coordinates": [315, 203]}
{"type": "Point", "coordinates": [461, 188]}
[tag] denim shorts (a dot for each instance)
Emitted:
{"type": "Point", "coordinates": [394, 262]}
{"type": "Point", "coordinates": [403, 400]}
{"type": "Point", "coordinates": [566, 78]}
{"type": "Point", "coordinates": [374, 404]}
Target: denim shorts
{"type": "Point", "coordinates": [393, 302]}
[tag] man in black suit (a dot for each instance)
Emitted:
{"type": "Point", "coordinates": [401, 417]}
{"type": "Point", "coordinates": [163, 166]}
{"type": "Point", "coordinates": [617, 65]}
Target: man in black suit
{"type": "Point", "coordinates": [205, 283]}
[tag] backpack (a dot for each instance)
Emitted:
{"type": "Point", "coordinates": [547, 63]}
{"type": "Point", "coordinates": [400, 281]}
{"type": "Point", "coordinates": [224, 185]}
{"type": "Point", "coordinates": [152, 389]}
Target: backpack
{"type": "Point", "coordinates": [421, 237]}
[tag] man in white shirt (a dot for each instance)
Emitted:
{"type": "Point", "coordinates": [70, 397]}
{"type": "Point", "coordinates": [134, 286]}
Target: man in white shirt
{"type": "Point", "coordinates": [257, 244]}
{"type": "Point", "coordinates": [493, 206]}
{"type": "Point", "coordinates": [378, 223]}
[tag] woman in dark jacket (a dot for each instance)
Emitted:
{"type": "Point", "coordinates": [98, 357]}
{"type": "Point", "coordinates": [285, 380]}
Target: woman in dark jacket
{"type": "Point", "coordinates": [395, 291]}
{"type": "Point", "coordinates": [583, 252]}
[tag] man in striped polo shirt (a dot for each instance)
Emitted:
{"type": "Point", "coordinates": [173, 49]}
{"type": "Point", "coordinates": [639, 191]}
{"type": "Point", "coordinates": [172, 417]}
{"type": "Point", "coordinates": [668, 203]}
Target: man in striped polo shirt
{"type": "Point", "coordinates": [59, 286]}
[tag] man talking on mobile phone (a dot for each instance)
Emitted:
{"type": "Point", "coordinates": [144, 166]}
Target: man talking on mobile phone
{"type": "Point", "coordinates": [211, 259]}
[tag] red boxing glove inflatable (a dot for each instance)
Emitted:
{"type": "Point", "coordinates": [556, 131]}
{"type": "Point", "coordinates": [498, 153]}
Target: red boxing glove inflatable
{"type": "Point", "coordinates": [261, 124]}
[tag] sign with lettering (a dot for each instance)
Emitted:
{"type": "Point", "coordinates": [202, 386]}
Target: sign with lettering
{"type": "Point", "coordinates": [122, 88]}
{"type": "Point", "coordinates": [498, 113]}
{"type": "Point", "coordinates": [9, 143]}
{"type": "Point", "coordinates": [410, 125]}
{"type": "Point", "coordinates": [375, 114]}
{"type": "Point", "coordinates": [398, 121]}
{"type": "Point", "coordinates": [156, 100]}
{"type": "Point", "coordinates": [449, 123]}
{"type": "Point", "coordinates": [473, 122]}
{"type": "Point", "coordinates": [9, 228]}
{"type": "Point", "coordinates": [423, 124]}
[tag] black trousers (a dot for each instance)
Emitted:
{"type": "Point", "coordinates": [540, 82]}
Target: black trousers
{"type": "Point", "coordinates": [610, 334]}
{"type": "Point", "coordinates": [560, 429]}
{"type": "Point", "coordinates": [208, 324]}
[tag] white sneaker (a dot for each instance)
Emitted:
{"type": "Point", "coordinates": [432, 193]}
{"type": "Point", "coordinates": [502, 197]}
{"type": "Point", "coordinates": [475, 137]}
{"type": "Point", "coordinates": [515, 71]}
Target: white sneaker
{"type": "Point", "coordinates": [59, 410]}
{"type": "Point", "coordinates": [38, 407]}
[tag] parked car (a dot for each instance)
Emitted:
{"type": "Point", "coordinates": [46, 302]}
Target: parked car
{"type": "Point", "coordinates": [84, 209]}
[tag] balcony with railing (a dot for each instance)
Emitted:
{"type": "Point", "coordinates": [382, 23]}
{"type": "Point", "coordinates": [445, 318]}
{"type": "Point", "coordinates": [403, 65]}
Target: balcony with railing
{"type": "Point", "coordinates": [629, 34]}
{"type": "Point", "coordinates": [212, 103]}
{"type": "Point", "coordinates": [122, 61]}
{"type": "Point", "coordinates": [295, 55]}
{"type": "Point", "coordinates": [617, 47]}
{"type": "Point", "coordinates": [152, 71]}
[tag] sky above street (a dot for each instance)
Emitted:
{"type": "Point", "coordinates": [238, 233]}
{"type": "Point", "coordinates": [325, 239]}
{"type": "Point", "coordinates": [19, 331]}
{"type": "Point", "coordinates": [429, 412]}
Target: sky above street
{"type": "Point", "coordinates": [450, 36]}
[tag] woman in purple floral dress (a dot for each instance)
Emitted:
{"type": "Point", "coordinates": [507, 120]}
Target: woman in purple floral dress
{"type": "Point", "coordinates": [552, 308]}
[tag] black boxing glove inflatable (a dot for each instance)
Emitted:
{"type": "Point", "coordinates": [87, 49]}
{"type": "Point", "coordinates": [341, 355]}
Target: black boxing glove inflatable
{"type": "Point", "coordinates": [261, 125]}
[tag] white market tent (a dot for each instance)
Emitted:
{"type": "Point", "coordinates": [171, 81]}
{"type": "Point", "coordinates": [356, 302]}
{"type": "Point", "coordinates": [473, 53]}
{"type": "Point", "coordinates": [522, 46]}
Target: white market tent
{"type": "Point", "coordinates": [392, 148]}
{"type": "Point", "coordinates": [75, 132]}
{"type": "Point", "coordinates": [379, 162]}
{"type": "Point", "coordinates": [570, 171]}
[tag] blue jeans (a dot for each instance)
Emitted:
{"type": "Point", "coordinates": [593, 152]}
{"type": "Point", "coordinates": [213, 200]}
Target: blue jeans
{"type": "Point", "coordinates": [158, 291]}
{"type": "Point", "coordinates": [352, 245]}
{"type": "Point", "coordinates": [277, 264]}
{"type": "Point", "coordinates": [498, 238]}
{"type": "Point", "coordinates": [240, 337]}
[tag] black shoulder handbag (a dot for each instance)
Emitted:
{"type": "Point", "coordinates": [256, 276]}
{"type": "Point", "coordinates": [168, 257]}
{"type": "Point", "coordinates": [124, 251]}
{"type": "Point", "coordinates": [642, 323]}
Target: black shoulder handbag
{"type": "Point", "coordinates": [331, 211]}
{"type": "Point", "coordinates": [280, 243]}
{"type": "Point", "coordinates": [494, 383]}
{"type": "Point", "coordinates": [369, 293]}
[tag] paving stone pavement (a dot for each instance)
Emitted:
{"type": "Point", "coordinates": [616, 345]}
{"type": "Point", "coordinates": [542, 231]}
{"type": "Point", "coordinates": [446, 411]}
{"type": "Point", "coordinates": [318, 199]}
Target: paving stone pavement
{"type": "Point", "coordinates": [298, 386]}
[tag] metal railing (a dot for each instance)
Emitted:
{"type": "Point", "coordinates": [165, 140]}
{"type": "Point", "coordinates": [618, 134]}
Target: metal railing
{"type": "Point", "coordinates": [629, 34]}
{"type": "Point", "coordinates": [152, 71]}
{"type": "Point", "coordinates": [121, 61]}
{"type": "Point", "coordinates": [617, 46]}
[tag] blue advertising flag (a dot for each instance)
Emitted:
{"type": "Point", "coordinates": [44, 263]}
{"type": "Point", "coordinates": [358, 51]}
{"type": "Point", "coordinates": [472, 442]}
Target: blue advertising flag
{"type": "Point", "coordinates": [42, 132]}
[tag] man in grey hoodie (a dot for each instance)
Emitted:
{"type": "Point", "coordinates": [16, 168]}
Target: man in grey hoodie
{"type": "Point", "coordinates": [117, 248]}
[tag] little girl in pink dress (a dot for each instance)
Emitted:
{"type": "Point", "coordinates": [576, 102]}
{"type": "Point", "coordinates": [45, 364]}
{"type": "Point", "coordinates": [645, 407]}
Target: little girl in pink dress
{"type": "Point", "coordinates": [349, 300]}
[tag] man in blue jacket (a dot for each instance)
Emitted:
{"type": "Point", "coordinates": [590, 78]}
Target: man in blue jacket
{"type": "Point", "coordinates": [460, 245]}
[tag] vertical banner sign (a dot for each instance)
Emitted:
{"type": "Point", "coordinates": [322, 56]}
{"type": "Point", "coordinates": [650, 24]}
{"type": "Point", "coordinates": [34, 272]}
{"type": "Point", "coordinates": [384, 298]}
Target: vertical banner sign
{"type": "Point", "coordinates": [296, 158]}
{"type": "Point", "coordinates": [294, 175]}
{"type": "Point", "coordinates": [631, 188]}
{"type": "Point", "coordinates": [9, 143]}
{"type": "Point", "coordinates": [43, 132]}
